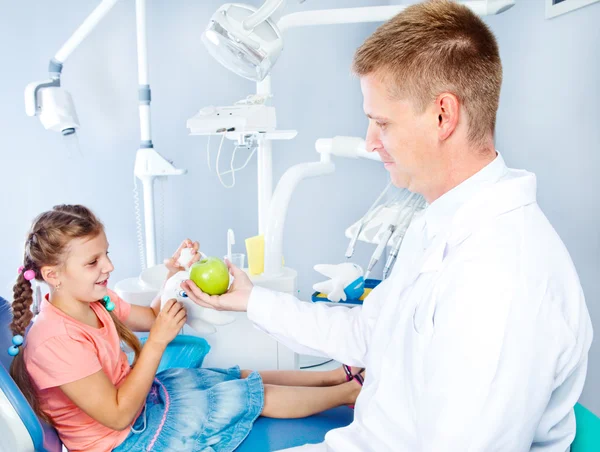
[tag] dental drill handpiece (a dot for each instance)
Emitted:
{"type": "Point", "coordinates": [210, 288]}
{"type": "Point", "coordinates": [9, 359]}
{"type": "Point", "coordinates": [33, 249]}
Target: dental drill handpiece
{"type": "Point", "coordinates": [392, 256]}
{"type": "Point", "coordinates": [379, 250]}
{"type": "Point", "coordinates": [406, 220]}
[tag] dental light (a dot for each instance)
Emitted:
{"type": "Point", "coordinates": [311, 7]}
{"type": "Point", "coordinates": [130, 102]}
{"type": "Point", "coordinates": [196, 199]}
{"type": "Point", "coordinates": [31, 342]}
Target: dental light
{"type": "Point", "coordinates": [245, 40]}
{"type": "Point", "coordinates": [248, 41]}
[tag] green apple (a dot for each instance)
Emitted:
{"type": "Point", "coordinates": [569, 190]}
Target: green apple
{"type": "Point", "coordinates": [210, 275]}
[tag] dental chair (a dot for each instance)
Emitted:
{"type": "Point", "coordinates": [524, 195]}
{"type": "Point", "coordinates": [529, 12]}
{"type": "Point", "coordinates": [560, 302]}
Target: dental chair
{"type": "Point", "coordinates": [22, 431]}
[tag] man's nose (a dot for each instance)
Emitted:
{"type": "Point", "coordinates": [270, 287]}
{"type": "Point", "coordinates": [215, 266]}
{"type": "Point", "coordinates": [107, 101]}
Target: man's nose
{"type": "Point", "coordinates": [372, 140]}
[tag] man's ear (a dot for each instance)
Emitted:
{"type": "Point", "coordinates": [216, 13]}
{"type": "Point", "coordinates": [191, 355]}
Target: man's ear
{"type": "Point", "coordinates": [448, 110]}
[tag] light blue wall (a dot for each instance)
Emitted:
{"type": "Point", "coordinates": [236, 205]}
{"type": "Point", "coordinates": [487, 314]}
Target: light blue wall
{"type": "Point", "coordinates": [548, 124]}
{"type": "Point", "coordinates": [314, 93]}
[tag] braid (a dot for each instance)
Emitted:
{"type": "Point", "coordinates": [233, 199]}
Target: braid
{"type": "Point", "coordinates": [21, 306]}
{"type": "Point", "coordinates": [22, 315]}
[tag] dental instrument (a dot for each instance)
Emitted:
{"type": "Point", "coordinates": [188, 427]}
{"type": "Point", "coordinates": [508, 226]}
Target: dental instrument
{"type": "Point", "coordinates": [379, 250]}
{"type": "Point", "coordinates": [394, 227]}
{"type": "Point", "coordinates": [396, 248]}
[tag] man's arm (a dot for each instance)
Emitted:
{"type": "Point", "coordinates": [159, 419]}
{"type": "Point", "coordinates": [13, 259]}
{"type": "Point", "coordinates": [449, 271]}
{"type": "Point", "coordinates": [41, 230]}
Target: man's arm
{"type": "Point", "coordinates": [336, 332]}
{"type": "Point", "coordinates": [339, 333]}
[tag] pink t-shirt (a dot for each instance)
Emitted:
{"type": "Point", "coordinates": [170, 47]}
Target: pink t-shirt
{"type": "Point", "coordinates": [60, 350]}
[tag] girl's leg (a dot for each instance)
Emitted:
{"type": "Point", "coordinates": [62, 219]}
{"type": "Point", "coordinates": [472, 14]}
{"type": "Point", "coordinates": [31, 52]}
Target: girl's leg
{"type": "Point", "coordinates": [302, 377]}
{"type": "Point", "coordinates": [288, 402]}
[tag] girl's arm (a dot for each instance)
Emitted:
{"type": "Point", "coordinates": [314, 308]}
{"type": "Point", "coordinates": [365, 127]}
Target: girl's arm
{"type": "Point", "coordinates": [116, 408]}
{"type": "Point", "coordinates": [141, 318]}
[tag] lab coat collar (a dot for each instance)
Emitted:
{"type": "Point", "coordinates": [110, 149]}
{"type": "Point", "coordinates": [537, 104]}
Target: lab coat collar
{"type": "Point", "coordinates": [439, 214]}
{"type": "Point", "coordinates": [516, 189]}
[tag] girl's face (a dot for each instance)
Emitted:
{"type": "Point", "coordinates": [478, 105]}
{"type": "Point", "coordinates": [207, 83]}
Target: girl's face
{"type": "Point", "coordinates": [85, 273]}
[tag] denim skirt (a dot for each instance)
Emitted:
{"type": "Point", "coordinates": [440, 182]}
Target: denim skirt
{"type": "Point", "coordinates": [196, 410]}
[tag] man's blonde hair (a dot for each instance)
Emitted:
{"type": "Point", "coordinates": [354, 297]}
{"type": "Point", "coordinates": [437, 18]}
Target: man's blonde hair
{"type": "Point", "coordinates": [434, 47]}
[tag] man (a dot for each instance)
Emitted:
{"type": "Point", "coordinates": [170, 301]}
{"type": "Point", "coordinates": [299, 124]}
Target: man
{"type": "Point", "coordinates": [479, 339]}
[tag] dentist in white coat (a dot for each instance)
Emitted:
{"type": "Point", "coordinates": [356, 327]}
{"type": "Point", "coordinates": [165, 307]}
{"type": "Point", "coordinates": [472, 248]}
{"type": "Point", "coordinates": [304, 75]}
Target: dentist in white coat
{"type": "Point", "coordinates": [479, 339]}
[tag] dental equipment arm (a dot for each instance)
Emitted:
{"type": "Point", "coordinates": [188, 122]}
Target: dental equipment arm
{"type": "Point", "coordinates": [262, 14]}
{"type": "Point", "coordinates": [56, 110]}
{"type": "Point", "coordinates": [279, 205]}
{"type": "Point", "coordinates": [376, 14]}
{"type": "Point", "coordinates": [340, 146]}
{"type": "Point", "coordinates": [47, 99]}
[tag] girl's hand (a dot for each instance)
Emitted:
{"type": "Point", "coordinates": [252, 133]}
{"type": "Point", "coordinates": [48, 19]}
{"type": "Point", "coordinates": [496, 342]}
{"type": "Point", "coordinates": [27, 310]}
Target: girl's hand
{"type": "Point", "coordinates": [168, 323]}
{"type": "Point", "coordinates": [173, 265]}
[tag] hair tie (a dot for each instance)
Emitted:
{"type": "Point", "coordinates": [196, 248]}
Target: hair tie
{"type": "Point", "coordinates": [17, 341]}
{"type": "Point", "coordinates": [28, 274]}
{"type": "Point", "coordinates": [108, 304]}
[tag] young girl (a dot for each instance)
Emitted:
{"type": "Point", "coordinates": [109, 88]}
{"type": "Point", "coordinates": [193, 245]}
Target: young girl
{"type": "Point", "coordinates": [76, 377]}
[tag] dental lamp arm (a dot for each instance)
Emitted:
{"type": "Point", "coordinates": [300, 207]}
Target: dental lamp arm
{"type": "Point", "coordinates": [339, 16]}
{"type": "Point", "coordinates": [376, 14]}
{"type": "Point", "coordinates": [262, 14]}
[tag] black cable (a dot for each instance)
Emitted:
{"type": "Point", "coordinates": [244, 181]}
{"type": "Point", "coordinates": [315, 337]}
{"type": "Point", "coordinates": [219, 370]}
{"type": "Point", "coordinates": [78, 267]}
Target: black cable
{"type": "Point", "coordinates": [316, 365]}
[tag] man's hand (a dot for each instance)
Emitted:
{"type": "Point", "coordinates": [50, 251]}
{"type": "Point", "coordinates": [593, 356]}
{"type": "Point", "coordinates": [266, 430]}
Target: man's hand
{"type": "Point", "coordinates": [236, 298]}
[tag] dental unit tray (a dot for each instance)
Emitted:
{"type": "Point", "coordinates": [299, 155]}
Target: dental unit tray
{"type": "Point", "coordinates": [236, 120]}
{"type": "Point", "coordinates": [370, 284]}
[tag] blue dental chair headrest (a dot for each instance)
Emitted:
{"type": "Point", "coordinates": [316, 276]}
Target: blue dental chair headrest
{"type": "Point", "coordinates": [43, 437]}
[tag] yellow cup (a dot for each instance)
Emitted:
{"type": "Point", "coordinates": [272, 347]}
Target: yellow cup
{"type": "Point", "coordinates": [255, 249]}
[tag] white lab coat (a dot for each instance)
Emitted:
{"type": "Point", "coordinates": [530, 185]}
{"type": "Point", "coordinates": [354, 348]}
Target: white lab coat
{"type": "Point", "coordinates": [477, 342]}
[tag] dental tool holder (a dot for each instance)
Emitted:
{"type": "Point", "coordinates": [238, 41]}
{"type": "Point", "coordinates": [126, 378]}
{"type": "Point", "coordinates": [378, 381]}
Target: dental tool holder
{"type": "Point", "coordinates": [375, 227]}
